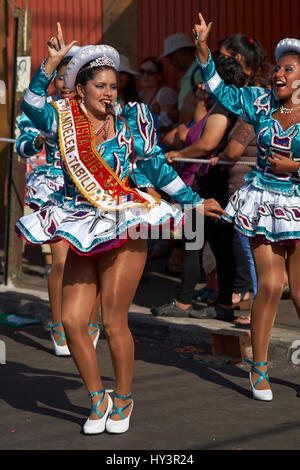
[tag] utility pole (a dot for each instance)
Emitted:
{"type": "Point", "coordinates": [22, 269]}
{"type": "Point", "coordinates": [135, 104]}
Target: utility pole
{"type": "Point", "coordinates": [4, 115]}
{"type": "Point", "coordinates": [16, 167]}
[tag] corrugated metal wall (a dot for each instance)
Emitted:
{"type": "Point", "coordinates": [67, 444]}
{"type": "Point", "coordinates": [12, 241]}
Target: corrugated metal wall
{"type": "Point", "coordinates": [267, 20]}
{"type": "Point", "coordinates": [81, 20]}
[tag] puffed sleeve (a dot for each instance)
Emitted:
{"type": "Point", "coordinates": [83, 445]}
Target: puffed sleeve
{"type": "Point", "coordinates": [247, 103]}
{"type": "Point", "coordinates": [139, 178]}
{"type": "Point", "coordinates": [25, 144]}
{"type": "Point", "coordinates": [35, 104]}
{"type": "Point", "coordinates": [149, 158]}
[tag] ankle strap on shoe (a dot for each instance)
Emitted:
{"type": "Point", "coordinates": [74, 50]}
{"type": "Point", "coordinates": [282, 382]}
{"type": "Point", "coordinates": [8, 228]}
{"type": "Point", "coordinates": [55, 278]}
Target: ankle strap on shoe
{"type": "Point", "coordinates": [123, 397]}
{"type": "Point", "coordinates": [91, 395]}
{"type": "Point", "coordinates": [97, 327]}
{"type": "Point", "coordinates": [263, 375]}
{"type": "Point", "coordinates": [94, 407]}
{"type": "Point", "coordinates": [255, 363]}
{"type": "Point", "coordinates": [119, 411]}
{"type": "Point", "coordinates": [52, 327]}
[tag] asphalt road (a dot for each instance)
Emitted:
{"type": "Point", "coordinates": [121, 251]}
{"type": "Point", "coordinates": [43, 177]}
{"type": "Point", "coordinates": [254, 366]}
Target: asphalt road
{"type": "Point", "coordinates": [179, 403]}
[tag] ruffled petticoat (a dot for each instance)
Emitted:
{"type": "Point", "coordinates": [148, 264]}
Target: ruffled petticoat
{"type": "Point", "coordinates": [40, 184]}
{"type": "Point", "coordinates": [267, 215]}
{"type": "Point", "coordinates": [90, 230]}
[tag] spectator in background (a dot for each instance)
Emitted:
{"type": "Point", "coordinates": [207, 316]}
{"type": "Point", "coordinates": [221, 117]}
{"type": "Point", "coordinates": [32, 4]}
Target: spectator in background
{"type": "Point", "coordinates": [211, 138]}
{"type": "Point", "coordinates": [127, 87]}
{"type": "Point", "coordinates": [246, 50]}
{"type": "Point", "coordinates": [161, 100]}
{"type": "Point", "coordinates": [180, 51]}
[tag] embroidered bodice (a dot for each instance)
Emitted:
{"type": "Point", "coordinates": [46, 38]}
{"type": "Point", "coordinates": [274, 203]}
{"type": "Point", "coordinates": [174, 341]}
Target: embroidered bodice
{"type": "Point", "coordinates": [149, 158]}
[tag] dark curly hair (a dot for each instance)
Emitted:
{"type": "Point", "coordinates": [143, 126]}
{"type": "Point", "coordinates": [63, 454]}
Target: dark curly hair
{"type": "Point", "coordinates": [250, 49]}
{"type": "Point", "coordinates": [230, 70]}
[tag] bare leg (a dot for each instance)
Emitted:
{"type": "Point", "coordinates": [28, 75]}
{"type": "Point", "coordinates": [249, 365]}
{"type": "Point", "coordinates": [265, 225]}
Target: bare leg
{"type": "Point", "coordinates": [270, 267]}
{"type": "Point", "coordinates": [94, 317]}
{"type": "Point", "coordinates": [293, 270]}
{"type": "Point", "coordinates": [120, 271]}
{"type": "Point", "coordinates": [80, 288]}
{"type": "Point", "coordinates": [59, 253]}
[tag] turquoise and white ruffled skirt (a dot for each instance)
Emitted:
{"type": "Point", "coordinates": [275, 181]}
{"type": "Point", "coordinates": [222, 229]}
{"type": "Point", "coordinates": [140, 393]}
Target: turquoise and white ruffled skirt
{"type": "Point", "coordinates": [40, 185]}
{"type": "Point", "coordinates": [268, 215]}
{"type": "Point", "coordinates": [90, 230]}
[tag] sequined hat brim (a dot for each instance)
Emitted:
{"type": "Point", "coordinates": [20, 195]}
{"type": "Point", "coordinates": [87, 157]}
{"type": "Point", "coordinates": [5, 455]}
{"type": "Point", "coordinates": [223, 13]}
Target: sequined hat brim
{"type": "Point", "coordinates": [85, 55]}
{"type": "Point", "coordinates": [287, 45]}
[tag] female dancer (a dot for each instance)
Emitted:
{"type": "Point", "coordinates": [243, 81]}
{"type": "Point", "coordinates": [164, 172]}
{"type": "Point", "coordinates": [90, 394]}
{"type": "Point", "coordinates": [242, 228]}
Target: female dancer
{"type": "Point", "coordinates": [100, 216]}
{"type": "Point", "coordinates": [41, 183]}
{"type": "Point", "coordinates": [267, 208]}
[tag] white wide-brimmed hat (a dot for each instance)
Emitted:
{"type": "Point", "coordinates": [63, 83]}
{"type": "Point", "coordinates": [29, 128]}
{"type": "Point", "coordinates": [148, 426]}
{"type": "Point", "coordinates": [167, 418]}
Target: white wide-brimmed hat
{"type": "Point", "coordinates": [100, 54]}
{"type": "Point", "coordinates": [287, 45]}
{"type": "Point", "coordinates": [125, 65]}
{"type": "Point", "coordinates": [73, 51]}
{"type": "Point", "coordinates": [174, 43]}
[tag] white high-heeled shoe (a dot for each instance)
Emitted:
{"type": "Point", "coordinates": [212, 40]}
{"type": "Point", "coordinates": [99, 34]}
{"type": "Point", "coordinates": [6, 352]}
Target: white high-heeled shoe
{"type": "Point", "coordinates": [263, 395]}
{"type": "Point", "coordinates": [96, 332]}
{"type": "Point", "coordinates": [122, 425]}
{"type": "Point", "coordinates": [97, 426]}
{"type": "Point", "coordinates": [59, 350]}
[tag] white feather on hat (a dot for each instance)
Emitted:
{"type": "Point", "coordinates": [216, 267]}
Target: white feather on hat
{"type": "Point", "coordinates": [85, 55]}
{"type": "Point", "coordinates": [287, 45]}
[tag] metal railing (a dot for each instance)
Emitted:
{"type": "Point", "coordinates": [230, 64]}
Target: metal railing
{"type": "Point", "coordinates": [220, 162]}
{"type": "Point", "coordinates": [184, 160]}
{"type": "Point", "coordinates": [4, 139]}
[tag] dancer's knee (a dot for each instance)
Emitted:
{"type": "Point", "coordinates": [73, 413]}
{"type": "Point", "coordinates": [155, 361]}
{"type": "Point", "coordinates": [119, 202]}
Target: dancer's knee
{"type": "Point", "coordinates": [114, 329]}
{"type": "Point", "coordinates": [270, 288]}
{"type": "Point", "coordinates": [73, 325]}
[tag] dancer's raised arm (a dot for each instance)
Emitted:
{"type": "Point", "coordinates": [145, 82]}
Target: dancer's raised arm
{"type": "Point", "coordinates": [201, 32]}
{"type": "Point", "coordinates": [244, 102]}
{"type": "Point", "coordinates": [57, 49]}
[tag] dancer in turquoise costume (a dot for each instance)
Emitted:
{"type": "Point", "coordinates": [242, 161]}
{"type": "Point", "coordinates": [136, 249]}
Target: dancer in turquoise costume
{"type": "Point", "coordinates": [267, 208]}
{"type": "Point", "coordinates": [40, 184]}
{"type": "Point", "coordinates": [98, 210]}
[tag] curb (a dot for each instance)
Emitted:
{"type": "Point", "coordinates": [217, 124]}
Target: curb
{"type": "Point", "coordinates": [175, 332]}
{"type": "Point", "coordinates": [169, 331]}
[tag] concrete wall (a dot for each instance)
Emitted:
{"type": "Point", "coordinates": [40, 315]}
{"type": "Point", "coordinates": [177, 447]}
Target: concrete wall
{"type": "Point", "coordinates": [120, 28]}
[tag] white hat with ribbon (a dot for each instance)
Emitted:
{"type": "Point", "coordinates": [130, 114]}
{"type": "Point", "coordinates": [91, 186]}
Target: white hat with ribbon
{"type": "Point", "coordinates": [98, 55]}
{"type": "Point", "coordinates": [175, 42]}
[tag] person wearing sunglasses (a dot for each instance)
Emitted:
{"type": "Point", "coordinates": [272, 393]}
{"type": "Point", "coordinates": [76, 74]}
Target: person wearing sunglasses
{"type": "Point", "coordinates": [161, 100]}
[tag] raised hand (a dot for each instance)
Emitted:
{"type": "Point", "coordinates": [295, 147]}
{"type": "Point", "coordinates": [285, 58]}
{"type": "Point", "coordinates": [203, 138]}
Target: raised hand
{"type": "Point", "coordinates": [201, 32]}
{"type": "Point", "coordinates": [57, 49]}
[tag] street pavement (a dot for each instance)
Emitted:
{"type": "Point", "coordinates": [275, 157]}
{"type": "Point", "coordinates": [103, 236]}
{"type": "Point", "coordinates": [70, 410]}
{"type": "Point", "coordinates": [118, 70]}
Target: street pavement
{"type": "Point", "coordinates": [185, 399]}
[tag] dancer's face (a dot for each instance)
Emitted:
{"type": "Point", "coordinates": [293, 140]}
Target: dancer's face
{"type": "Point", "coordinates": [286, 78]}
{"type": "Point", "coordinates": [99, 91]}
{"type": "Point", "coordinates": [62, 91]}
